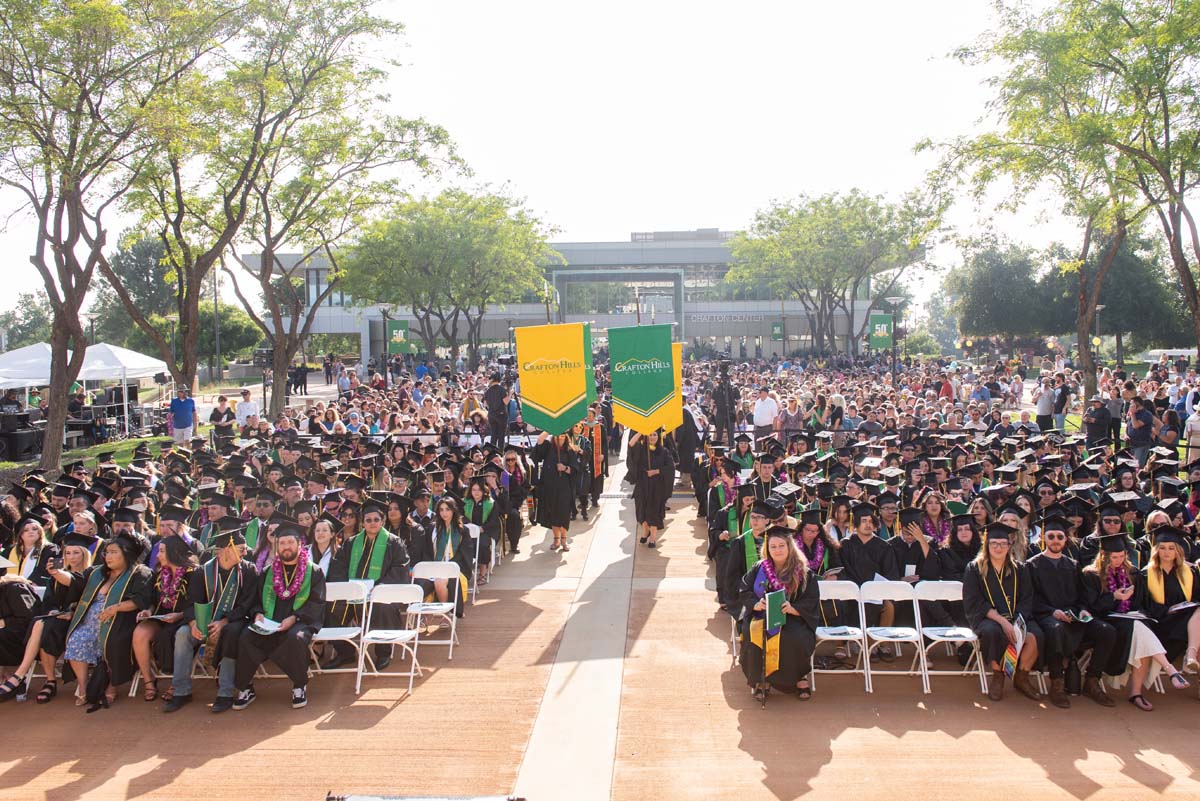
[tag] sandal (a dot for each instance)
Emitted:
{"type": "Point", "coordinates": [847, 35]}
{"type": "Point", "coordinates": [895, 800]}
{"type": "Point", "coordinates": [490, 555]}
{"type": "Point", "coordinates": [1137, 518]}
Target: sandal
{"type": "Point", "coordinates": [150, 692]}
{"type": "Point", "coordinates": [1179, 681]}
{"type": "Point", "coordinates": [169, 695]}
{"type": "Point", "coordinates": [1141, 703]}
{"type": "Point", "coordinates": [48, 691]}
{"type": "Point", "coordinates": [10, 689]}
{"type": "Point", "coordinates": [643, 540]}
{"type": "Point", "coordinates": [564, 547]}
{"type": "Point", "coordinates": [804, 693]}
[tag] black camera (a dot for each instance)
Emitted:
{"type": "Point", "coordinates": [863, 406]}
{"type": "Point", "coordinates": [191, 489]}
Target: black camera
{"type": "Point", "coordinates": [508, 360]}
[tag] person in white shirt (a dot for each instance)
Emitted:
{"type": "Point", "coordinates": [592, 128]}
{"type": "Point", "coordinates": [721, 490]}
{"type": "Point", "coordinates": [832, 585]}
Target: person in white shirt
{"type": "Point", "coordinates": [247, 411]}
{"type": "Point", "coordinates": [766, 409]}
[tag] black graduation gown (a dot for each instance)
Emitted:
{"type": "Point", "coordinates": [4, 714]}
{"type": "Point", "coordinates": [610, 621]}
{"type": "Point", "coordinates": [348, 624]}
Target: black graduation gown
{"type": "Point", "coordinates": [18, 605]}
{"type": "Point", "coordinates": [1171, 628]}
{"type": "Point", "coordinates": [863, 560]}
{"type": "Point", "coordinates": [687, 441]}
{"type": "Point", "coordinates": [39, 575]}
{"type": "Point", "coordinates": [163, 644]}
{"type": "Point", "coordinates": [733, 571]}
{"type": "Point", "coordinates": [651, 493]}
{"type": "Point", "coordinates": [118, 650]}
{"type": "Point", "coordinates": [238, 615]}
{"type": "Point", "coordinates": [1056, 585]}
{"type": "Point", "coordinates": [952, 562]}
{"type": "Point", "coordinates": [980, 597]}
{"type": "Point", "coordinates": [289, 649]}
{"type": "Point", "coordinates": [55, 601]}
{"type": "Point", "coordinates": [926, 567]}
{"type": "Point", "coordinates": [425, 550]}
{"type": "Point", "coordinates": [833, 613]}
{"type": "Point", "coordinates": [393, 570]}
{"type": "Point", "coordinates": [555, 489]}
{"type": "Point", "coordinates": [1102, 604]}
{"type": "Point", "coordinates": [798, 638]}
{"type": "Point", "coordinates": [718, 517]}
{"type": "Point", "coordinates": [490, 526]}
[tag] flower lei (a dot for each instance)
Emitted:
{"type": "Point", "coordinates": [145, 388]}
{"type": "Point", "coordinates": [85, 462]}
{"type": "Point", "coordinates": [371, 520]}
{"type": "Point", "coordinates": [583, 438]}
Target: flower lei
{"type": "Point", "coordinates": [818, 551]}
{"type": "Point", "coordinates": [942, 533]}
{"type": "Point", "coordinates": [277, 576]}
{"type": "Point", "coordinates": [773, 582]}
{"type": "Point", "coordinates": [168, 584]}
{"type": "Point", "coordinates": [1118, 579]}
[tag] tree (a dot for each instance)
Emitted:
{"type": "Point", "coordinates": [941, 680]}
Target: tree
{"type": "Point", "coordinates": [448, 259]}
{"type": "Point", "coordinates": [80, 83]}
{"type": "Point", "coordinates": [315, 192]}
{"type": "Point", "coordinates": [239, 334]}
{"type": "Point", "coordinates": [824, 251]}
{"type": "Point", "coordinates": [139, 263]}
{"type": "Point", "coordinates": [996, 291]}
{"type": "Point", "coordinates": [30, 322]}
{"type": "Point", "coordinates": [1108, 91]}
{"type": "Point", "coordinates": [225, 127]}
{"type": "Point", "coordinates": [941, 322]}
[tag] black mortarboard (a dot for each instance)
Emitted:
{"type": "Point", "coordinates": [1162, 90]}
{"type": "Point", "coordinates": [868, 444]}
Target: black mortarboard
{"type": "Point", "coordinates": [1114, 543]}
{"type": "Point", "coordinates": [999, 531]}
{"type": "Point", "coordinates": [911, 516]}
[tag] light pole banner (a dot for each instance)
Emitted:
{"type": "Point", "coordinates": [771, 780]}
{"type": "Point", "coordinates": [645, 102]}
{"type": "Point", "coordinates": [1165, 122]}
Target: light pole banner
{"type": "Point", "coordinates": [397, 337]}
{"type": "Point", "coordinates": [556, 376]}
{"type": "Point", "coordinates": [645, 397]}
{"type": "Point", "coordinates": [881, 331]}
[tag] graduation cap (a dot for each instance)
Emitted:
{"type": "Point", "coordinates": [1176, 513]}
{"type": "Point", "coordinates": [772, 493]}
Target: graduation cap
{"type": "Point", "coordinates": [1110, 509]}
{"type": "Point", "coordinates": [1056, 522]}
{"type": "Point", "coordinates": [742, 437]}
{"type": "Point", "coordinates": [826, 489]}
{"type": "Point", "coordinates": [770, 508]}
{"type": "Point", "coordinates": [126, 514]}
{"type": "Point", "coordinates": [1164, 534]}
{"type": "Point", "coordinates": [911, 517]}
{"type": "Point", "coordinates": [77, 540]}
{"type": "Point", "coordinates": [1124, 497]}
{"type": "Point", "coordinates": [962, 520]}
{"type": "Point", "coordinates": [267, 494]}
{"type": "Point", "coordinates": [1114, 543]}
{"type": "Point", "coordinates": [175, 512]}
{"type": "Point", "coordinates": [861, 510]}
{"type": "Point", "coordinates": [787, 492]}
{"type": "Point", "coordinates": [373, 504]}
{"type": "Point", "coordinates": [85, 493]}
{"type": "Point", "coordinates": [810, 517]}
{"type": "Point", "coordinates": [1012, 508]}
{"type": "Point", "coordinates": [886, 499]}
{"type": "Point", "coordinates": [20, 493]}
{"type": "Point", "coordinates": [999, 531]}
{"type": "Point", "coordinates": [290, 528]}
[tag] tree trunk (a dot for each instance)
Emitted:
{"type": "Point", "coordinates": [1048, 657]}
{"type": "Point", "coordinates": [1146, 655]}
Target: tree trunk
{"type": "Point", "coordinates": [279, 366]}
{"type": "Point", "coordinates": [1120, 349]}
{"type": "Point", "coordinates": [63, 373]}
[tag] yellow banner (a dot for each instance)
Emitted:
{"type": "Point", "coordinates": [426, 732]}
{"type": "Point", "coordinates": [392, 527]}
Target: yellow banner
{"type": "Point", "coordinates": [677, 405]}
{"type": "Point", "coordinates": [553, 368]}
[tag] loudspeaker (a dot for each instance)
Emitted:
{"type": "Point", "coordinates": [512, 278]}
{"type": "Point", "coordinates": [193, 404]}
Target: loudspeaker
{"type": "Point", "coordinates": [20, 445]}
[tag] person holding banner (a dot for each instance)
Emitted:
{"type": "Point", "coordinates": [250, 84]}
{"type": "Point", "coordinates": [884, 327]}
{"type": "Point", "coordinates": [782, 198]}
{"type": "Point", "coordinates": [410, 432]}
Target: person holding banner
{"type": "Point", "coordinates": [779, 655]}
{"type": "Point", "coordinates": [997, 594]}
{"type": "Point", "coordinates": [556, 485]}
{"type": "Point", "coordinates": [652, 469]}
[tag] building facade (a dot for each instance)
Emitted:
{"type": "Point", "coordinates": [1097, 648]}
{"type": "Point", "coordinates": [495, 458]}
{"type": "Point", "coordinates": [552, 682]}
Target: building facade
{"type": "Point", "coordinates": [672, 277]}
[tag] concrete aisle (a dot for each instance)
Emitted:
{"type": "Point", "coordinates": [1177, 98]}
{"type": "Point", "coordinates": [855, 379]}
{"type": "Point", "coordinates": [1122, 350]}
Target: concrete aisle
{"type": "Point", "coordinates": [572, 750]}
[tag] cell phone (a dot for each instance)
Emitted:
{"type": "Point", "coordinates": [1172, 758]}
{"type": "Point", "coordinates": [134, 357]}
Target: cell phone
{"type": "Point", "coordinates": [55, 563]}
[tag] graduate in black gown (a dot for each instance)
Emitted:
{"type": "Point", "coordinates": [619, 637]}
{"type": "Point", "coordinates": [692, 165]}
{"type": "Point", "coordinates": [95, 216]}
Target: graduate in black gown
{"type": "Point", "coordinates": [1058, 606]}
{"type": "Point", "coordinates": [962, 547]}
{"type": "Point", "coordinates": [917, 560]}
{"type": "Point", "coordinates": [824, 557]}
{"type": "Point", "coordinates": [558, 467]}
{"type": "Point", "coordinates": [865, 555]}
{"type": "Point", "coordinates": [781, 656]}
{"type": "Point", "coordinates": [18, 606]}
{"type": "Point", "coordinates": [227, 585]}
{"type": "Point", "coordinates": [377, 555]}
{"type": "Point", "coordinates": [1170, 581]}
{"type": "Point", "coordinates": [996, 590]}
{"type": "Point", "coordinates": [486, 510]}
{"type": "Point", "coordinates": [653, 471]}
{"type": "Point", "coordinates": [154, 640]}
{"type": "Point", "coordinates": [291, 592]}
{"type": "Point", "coordinates": [745, 550]}
{"type": "Point", "coordinates": [724, 524]}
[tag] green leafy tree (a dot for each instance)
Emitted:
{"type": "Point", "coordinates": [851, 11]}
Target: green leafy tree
{"type": "Point", "coordinates": [449, 259]}
{"type": "Point", "coordinates": [139, 263]}
{"type": "Point", "coordinates": [239, 334]}
{"type": "Point", "coordinates": [30, 322]}
{"type": "Point", "coordinates": [996, 291]}
{"type": "Point", "coordinates": [826, 251]}
{"type": "Point", "coordinates": [80, 85]}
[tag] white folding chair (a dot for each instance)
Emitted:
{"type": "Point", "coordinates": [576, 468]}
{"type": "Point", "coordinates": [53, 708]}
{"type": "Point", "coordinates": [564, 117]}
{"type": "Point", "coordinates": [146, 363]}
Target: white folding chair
{"type": "Point", "coordinates": [477, 533]}
{"type": "Point", "coordinates": [351, 592]}
{"type": "Point", "coordinates": [434, 571]}
{"type": "Point", "coordinates": [848, 635]}
{"type": "Point", "coordinates": [894, 591]}
{"type": "Point", "coordinates": [950, 591]}
{"type": "Point", "coordinates": [733, 639]}
{"type": "Point", "coordinates": [406, 639]}
{"type": "Point", "coordinates": [199, 671]}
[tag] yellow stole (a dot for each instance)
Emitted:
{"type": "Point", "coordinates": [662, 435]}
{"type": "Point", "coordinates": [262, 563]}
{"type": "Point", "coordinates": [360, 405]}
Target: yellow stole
{"type": "Point", "coordinates": [1154, 583]}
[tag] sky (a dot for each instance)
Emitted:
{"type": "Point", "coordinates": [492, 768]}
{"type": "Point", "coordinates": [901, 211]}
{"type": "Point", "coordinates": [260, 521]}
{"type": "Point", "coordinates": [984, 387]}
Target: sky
{"type": "Point", "coordinates": [620, 117]}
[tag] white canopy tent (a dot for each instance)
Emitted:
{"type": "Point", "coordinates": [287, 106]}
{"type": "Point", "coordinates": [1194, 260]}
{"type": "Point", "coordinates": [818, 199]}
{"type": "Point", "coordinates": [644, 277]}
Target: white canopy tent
{"type": "Point", "coordinates": [30, 366]}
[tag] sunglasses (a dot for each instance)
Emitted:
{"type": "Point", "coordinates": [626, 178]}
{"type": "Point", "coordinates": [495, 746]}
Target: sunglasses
{"type": "Point", "coordinates": [1055, 536]}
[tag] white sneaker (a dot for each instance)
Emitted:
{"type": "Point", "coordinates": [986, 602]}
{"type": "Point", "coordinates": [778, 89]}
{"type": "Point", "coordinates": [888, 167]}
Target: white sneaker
{"type": "Point", "coordinates": [299, 698]}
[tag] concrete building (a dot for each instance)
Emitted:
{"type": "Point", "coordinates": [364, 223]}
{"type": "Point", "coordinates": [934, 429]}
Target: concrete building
{"type": "Point", "coordinates": [674, 277]}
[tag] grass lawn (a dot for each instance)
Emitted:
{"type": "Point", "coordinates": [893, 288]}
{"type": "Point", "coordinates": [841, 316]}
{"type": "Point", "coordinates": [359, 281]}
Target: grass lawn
{"type": "Point", "coordinates": [123, 452]}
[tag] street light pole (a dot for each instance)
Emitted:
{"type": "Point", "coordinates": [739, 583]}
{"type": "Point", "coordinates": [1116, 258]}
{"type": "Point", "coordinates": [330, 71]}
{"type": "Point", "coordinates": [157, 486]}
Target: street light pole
{"type": "Point", "coordinates": [895, 302]}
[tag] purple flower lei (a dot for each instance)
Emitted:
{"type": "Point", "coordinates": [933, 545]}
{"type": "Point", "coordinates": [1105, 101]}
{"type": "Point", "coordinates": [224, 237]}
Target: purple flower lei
{"type": "Point", "coordinates": [168, 584]}
{"type": "Point", "coordinates": [277, 576]}
{"type": "Point", "coordinates": [773, 582]}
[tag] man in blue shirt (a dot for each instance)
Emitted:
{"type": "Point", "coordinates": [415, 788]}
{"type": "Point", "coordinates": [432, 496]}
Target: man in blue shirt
{"type": "Point", "coordinates": [183, 416]}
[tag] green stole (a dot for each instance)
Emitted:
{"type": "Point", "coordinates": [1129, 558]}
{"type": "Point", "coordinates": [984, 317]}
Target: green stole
{"type": "Point", "coordinates": [374, 561]}
{"type": "Point", "coordinates": [750, 549]}
{"type": "Point", "coordinates": [268, 593]}
{"type": "Point", "coordinates": [252, 534]}
{"type": "Point", "coordinates": [746, 460]}
{"type": "Point", "coordinates": [451, 538]}
{"type": "Point", "coordinates": [224, 600]}
{"type": "Point", "coordinates": [115, 596]}
{"type": "Point", "coordinates": [469, 509]}
{"type": "Point", "coordinates": [731, 524]}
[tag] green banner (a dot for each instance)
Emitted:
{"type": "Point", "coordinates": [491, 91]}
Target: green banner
{"type": "Point", "coordinates": [777, 332]}
{"type": "Point", "coordinates": [643, 377]}
{"type": "Point", "coordinates": [880, 331]}
{"type": "Point", "coordinates": [397, 337]}
{"type": "Point", "coordinates": [587, 360]}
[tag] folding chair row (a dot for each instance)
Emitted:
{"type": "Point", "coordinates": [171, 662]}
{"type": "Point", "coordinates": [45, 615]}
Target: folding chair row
{"type": "Point", "coordinates": [922, 637]}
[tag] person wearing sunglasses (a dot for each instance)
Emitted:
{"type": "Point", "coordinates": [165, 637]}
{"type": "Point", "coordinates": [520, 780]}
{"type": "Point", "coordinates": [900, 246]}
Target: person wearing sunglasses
{"type": "Point", "coordinates": [1067, 626]}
